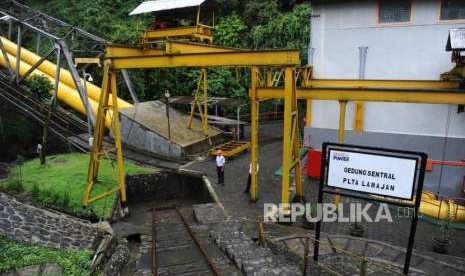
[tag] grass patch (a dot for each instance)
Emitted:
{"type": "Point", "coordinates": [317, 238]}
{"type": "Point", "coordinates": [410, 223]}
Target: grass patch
{"type": "Point", "coordinates": [60, 183]}
{"type": "Point", "coordinates": [17, 254]}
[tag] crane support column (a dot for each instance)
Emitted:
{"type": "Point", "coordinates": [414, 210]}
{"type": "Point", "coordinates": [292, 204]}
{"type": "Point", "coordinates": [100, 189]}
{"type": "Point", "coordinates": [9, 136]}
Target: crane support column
{"type": "Point", "coordinates": [291, 152]}
{"type": "Point", "coordinates": [341, 135]}
{"type": "Point", "coordinates": [254, 133]}
{"type": "Point", "coordinates": [108, 87]}
{"type": "Point", "coordinates": [308, 113]}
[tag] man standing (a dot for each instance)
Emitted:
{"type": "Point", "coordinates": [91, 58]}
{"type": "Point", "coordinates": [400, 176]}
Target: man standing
{"type": "Point", "coordinates": [249, 179]}
{"type": "Point", "coordinates": [220, 167]}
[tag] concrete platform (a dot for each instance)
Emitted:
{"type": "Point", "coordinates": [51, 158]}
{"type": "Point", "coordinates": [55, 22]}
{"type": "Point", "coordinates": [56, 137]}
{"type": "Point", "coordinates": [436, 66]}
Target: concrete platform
{"type": "Point", "coordinates": [145, 126]}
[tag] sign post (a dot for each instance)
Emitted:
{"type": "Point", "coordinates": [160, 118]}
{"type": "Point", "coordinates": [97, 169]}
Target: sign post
{"type": "Point", "coordinates": [373, 174]}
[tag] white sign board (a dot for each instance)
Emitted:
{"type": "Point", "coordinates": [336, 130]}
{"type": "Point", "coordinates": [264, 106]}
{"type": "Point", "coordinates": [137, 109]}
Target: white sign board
{"type": "Point", "coordinates": [372, 174]}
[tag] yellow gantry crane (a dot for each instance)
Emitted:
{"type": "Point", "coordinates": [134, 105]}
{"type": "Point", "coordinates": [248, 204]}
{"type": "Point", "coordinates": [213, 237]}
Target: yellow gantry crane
{"type": "Point", "coordinates": [174, 54]}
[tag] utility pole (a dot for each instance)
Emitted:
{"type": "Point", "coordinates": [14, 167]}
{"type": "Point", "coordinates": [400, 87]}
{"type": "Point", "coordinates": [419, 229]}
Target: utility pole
{"type": "Point", "coordinates": [167, 99]}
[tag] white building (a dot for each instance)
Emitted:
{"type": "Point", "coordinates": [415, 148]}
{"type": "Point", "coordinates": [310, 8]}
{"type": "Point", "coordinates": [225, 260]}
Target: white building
{"type": "Point", "coordinates": [404, 39]}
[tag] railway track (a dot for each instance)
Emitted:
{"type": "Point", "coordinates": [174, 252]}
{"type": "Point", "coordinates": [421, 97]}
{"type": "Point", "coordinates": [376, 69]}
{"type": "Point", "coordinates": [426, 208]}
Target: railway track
{"type": "Point", "coordinates": [175, 248]}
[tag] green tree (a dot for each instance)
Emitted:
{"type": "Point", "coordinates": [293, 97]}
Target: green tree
{"type": "Point", "coordinates": [288, 30]}
{"type": "Point", "coordinates": [260, 11]}
{"type": "Point", "coordinates": [230, 31]}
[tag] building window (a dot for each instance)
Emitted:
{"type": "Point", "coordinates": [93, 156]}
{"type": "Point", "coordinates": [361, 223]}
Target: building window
{"type": "Point", "coordinates": [394, 11]}
{"type": "Point", "coordinates": [452, 9]}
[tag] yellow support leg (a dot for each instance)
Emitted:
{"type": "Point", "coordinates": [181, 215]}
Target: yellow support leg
{"type": "Point", "coordinates": [98, 136]}
{"type": "Point", "coordinates": [254, 134]}
{"type": "Point", "coordinates": [295, 162]}
{"type": "Point", "coordinates": [291, 156]}
{"type": "Point", "coordinates": [201, 102]}
{"type": "Point", "coordinates": [117, 135]}
{"type": "Point", "coordinates": [359, 111]}
{"type": "Point", "coordinates": [308, 114]}
{"type": "Point", "coordinates": [341, 134]}
{"type": "Point", "coordinates": [108, 87]}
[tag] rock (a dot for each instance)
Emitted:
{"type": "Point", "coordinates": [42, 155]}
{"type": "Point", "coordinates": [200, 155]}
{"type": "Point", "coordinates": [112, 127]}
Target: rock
{"type": "Point", "coordinates": [118, 260]}
{"type": "Point", "coordinates": [104, 227]}
{"type": "Point", "coordinates": [52, 269]}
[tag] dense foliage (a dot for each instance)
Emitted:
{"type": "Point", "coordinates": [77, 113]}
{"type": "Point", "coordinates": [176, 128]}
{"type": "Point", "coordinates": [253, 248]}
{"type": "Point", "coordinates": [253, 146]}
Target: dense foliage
{"type": "Point", "coordinates": [16, 254]}
{"type": "Point", "coordinates": [239, 23]}
{"type": "Point", "coordinates": [39, 86]}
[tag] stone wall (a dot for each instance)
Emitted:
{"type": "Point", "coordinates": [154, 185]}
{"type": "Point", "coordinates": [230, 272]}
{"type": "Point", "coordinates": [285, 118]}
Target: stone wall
{"type": "Point", "coordinates": [28, 223]}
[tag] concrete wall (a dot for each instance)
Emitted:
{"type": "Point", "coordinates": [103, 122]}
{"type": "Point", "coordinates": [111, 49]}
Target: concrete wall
{"type": "Point", "coordinates": [414, 50]}
{"type": "Point", "coordinates": [165, 186]}
{"type": "Point", "coordinates": [136, 135]}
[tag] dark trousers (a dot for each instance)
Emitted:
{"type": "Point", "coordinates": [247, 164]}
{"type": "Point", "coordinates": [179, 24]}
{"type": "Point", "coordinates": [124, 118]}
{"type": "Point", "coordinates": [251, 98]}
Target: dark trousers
{"type": "Point", "coordinates": [249, 182]}
{"type": "Point", "coordinates": [220, 174]}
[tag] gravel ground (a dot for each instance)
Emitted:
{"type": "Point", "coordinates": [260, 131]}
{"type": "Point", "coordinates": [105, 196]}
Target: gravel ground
{"type": "Point", "coordinates": [237, 203]}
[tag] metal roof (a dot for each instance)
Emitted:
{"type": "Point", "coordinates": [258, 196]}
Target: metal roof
{"type": "Point", "coordinates": [456, 40]}
{"type": "Point", "coordinates": [164, 5]}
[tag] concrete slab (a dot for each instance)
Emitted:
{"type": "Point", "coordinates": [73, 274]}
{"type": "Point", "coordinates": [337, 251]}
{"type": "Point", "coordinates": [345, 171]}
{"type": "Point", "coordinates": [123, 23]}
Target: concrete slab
{"type": "Point", "coordinates": [145, 126]}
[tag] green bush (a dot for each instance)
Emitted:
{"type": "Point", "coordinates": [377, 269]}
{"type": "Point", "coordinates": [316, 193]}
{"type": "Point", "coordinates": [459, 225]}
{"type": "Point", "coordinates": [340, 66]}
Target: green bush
{"type": "Point", "coordinates": [17, 254]}
{"type": "Point", "coordinates": [65, 200]}
{"type": "Point", "coordinates": [45, 197]}
{"type": "Point", "coordinates": [55, 198]}
{"type": "Point", "coordinates": [39, 86]}
{"type": "Point", "coordinates": [15, 186]}
{"type": "Point", "coordinates": [35, 192]}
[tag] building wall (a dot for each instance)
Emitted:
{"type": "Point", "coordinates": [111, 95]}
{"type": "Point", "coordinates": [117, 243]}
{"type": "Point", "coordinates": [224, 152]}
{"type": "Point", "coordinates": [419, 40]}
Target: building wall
{"type": "Point", "coordinates": [414, 50]}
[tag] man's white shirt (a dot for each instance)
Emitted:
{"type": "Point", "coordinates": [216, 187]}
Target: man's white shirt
{"type": "Point", "coordinates": [220, 161]}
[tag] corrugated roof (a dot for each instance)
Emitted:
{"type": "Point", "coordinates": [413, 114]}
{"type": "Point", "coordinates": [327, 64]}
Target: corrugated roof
{"type": "Point", "coordinates": [164, 5]}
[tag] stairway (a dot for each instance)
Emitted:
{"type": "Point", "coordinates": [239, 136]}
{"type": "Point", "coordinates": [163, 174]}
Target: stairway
{"type": "Point", "coordinates": [63, 124]}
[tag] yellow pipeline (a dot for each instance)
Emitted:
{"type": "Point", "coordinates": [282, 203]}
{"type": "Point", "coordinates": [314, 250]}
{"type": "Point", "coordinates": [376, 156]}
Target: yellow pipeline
{"type": "Point", "coordinates": [65, 93]}
{"type": "Point", "coordinates": [441, 209]}
{"type": "Point", "coordinates": [49, 68]}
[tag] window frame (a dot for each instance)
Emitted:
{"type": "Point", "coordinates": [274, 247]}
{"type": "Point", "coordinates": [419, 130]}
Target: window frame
{"type": "Point", "coordinates": [378, 15]}
{"type": "Point", "coordinates": [441, 3]}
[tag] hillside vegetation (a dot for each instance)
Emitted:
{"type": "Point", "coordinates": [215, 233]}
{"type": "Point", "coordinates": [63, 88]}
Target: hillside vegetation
{"type": "Point", "coordinates": [256, 24]}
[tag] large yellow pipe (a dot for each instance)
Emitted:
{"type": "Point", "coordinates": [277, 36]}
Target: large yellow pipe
{"type": "Point", "coordinates": [441, 209]}
{"type": "Point", "coordinates": [65, 93]}
{"type": "Point", "coordinates": [49, 68]}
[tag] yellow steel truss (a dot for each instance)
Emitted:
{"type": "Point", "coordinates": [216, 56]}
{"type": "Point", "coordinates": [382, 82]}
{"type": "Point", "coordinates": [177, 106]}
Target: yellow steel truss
{"type": "Point", "coordinates": [108, 88]}
{"type": "Point", "coordinates": [406, 91]}
{"type": "Point", "coordinates": [291, 155]}
{"type": "Point", "coordinates": [201, 102]}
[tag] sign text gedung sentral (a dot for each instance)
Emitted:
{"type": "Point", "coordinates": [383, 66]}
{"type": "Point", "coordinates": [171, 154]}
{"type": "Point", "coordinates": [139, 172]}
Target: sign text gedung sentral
{"type": "Point", "coordinates": [371, 173]}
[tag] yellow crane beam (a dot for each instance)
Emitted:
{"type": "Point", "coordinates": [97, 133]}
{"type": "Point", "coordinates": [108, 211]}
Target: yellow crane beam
{"type": "Point", "coordinates": [181, 47]}
{"type": "Point", "coordinates": [367, 94]}
{"type": "Point", "coordinates": [429, 84]}
{"type": "Point", "coordinates": [218, 59]}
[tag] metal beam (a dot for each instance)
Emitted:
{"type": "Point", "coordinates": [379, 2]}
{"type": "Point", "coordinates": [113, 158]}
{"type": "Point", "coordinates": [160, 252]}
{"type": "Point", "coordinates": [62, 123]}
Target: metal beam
{"type": "Point", "coordinates": [77, 81]}
{"type": "Point", "coordinates": [18, 54]}
{"type": "Point", "coordinates": [382, 83]}
{"type": "Point", "coordinates": [179, 47]}
{"type": "Point", "coordinates": [115, 50]}
{"type": "Point", "coordinates": [379, 94]}
{"type": "Point", "coordinates": [239, 58]}
{"type": "Point", "coordinates": [29, 26]}
{"type": "Point", "coordinates": [38, 63]}
{"type": "Point", "coordinates": [129, 85]}
{"type": "Point", "coordinates": [7, 60]}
